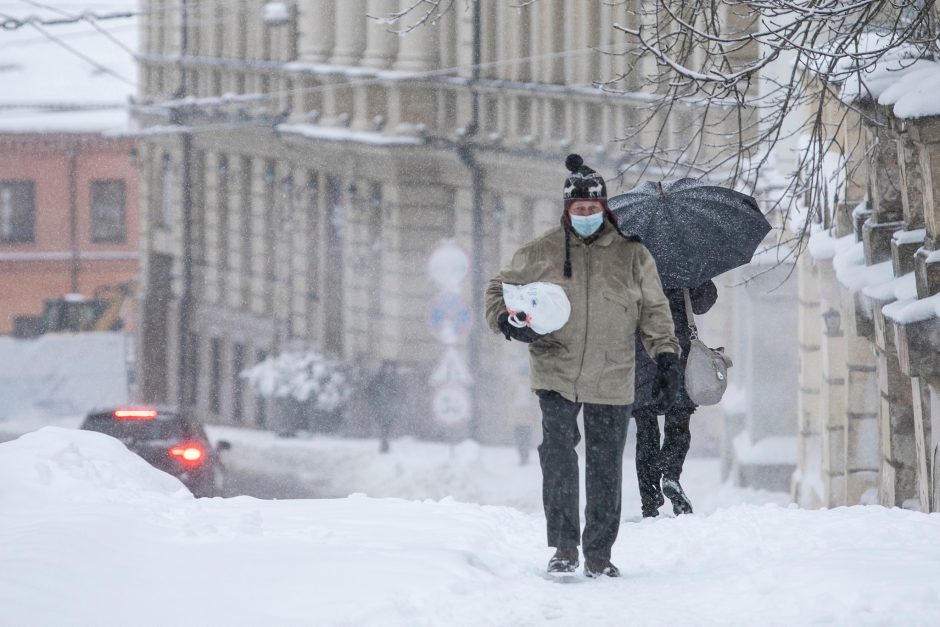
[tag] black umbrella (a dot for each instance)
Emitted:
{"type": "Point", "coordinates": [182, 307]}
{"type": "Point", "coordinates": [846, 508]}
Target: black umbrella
{"type": "Point", "coordinates": [695, 232]}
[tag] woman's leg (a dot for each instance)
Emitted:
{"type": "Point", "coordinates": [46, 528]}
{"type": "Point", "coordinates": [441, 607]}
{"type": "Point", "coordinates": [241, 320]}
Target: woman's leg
{"type": "Point", "coordinates": [676, 441]}
{"type": "Point", "coordinates": [672, 457]}
{"type": "Point", "coordinates": [647, 461]}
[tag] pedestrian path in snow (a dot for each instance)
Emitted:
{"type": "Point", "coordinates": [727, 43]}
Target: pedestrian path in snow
{"type": "Point", "coordinates": [93, 535]}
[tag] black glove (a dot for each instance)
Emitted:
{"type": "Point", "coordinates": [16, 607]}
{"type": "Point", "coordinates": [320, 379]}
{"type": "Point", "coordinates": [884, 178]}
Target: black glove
{"type": "Point", "coordinates": [666, 383]}
{"type": "Point", "coordinates": [510, 331]}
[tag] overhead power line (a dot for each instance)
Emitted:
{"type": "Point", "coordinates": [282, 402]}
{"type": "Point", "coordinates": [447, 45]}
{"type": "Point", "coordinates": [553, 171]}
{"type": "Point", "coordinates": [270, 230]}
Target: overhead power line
{"type": "Point", "coordinates": [8, 22]}
{"type": "Point", "coordinates": [94, 24]}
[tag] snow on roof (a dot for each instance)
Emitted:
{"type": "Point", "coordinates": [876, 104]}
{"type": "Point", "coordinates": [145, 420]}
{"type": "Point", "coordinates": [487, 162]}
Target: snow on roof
{"type": "Point", "coordinates": [914, 95]}
{"type": "Point", "coordinates": [79, 83]}
{"type": "Point", "coordinates": [897, 78]}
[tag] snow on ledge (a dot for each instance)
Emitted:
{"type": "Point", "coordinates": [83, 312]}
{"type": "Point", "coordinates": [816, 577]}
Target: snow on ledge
{"type": "Point", "coordinates": [913, 310]}
{"type": "Point", "coordinates": [909, 237]}
{"type": "Point", "coordinates": [822, 245]}
{"type": "Point", "coordinates": [852, 272]}
{"type": "Point", "coordinates": [900, 288]}
{"type": "Point", "coordinates": [314, 131]}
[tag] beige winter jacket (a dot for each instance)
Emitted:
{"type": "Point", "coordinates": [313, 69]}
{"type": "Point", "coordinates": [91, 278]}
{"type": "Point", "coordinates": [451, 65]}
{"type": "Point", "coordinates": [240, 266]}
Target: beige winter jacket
{"type": "Point", "coordinates": [614, 289]}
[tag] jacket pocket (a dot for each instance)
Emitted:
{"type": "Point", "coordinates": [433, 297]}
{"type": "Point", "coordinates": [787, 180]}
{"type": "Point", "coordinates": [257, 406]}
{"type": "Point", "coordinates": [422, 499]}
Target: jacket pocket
{"type": "Point", "coordinates": [619, 299]}
{"type": "Point", "coordinates": [617, 375]}
{"type": "Point", "coordinates": [620, 316]}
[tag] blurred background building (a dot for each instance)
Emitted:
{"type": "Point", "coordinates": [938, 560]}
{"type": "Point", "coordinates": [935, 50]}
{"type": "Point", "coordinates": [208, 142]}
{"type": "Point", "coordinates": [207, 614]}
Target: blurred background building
{"type": "Point", "coordinates": [300, 162]}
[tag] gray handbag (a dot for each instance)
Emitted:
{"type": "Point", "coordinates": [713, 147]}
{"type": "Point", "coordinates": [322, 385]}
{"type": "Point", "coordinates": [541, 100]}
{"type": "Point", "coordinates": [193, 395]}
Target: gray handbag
{"type": "Point", "coordinates": [706, 370]}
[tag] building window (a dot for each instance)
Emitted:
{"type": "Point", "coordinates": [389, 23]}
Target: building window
{"type": "Point", "coordinates": [238, 384]}
{"type": "Point", "coordinates": [247, 229]}
{"type": "Point", "coordinates": [215, 375]}
{"type": "Point", "coordinates": [167, 189]}
{"type": "Point", "coordinates": [261, 414]}
{"type": "Point", "coordinates": [270, 227]}
{"type": "Point", "coordinates": [376, 205]}
{"type": "Point", "coordinates": [108, 219]}
{"type": "Point", "coordinates": [17, 212]}
{"type": "Point", "coordinates": [557, 108]}
{"type": "Point", "coordinates": [191, 380]}
{"type": "Point", "coordinates": [223, 223]}
{"type": "Point", "coordinates": [523, 116]}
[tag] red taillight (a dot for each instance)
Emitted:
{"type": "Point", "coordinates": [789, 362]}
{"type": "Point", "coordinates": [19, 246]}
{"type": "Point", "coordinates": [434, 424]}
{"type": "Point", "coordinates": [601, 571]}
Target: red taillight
{"type": "Point", "coordinates": [187, 453]}
{"type": "Point", "coordinates": [135, 414]}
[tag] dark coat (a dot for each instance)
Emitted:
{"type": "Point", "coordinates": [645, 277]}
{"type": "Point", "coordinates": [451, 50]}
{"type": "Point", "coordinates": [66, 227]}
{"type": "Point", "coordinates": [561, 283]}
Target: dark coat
{"type": "Point", "coordinates": [703, 297]}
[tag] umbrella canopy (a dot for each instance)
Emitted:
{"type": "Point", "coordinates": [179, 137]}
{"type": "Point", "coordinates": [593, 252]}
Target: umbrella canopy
{"type": "Point", "coordinates": [695, 232]}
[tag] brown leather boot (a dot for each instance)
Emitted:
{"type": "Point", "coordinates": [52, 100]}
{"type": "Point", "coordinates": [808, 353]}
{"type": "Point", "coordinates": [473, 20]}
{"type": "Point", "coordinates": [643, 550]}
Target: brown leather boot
{"type": "Point", "coordinates": [564, 561]}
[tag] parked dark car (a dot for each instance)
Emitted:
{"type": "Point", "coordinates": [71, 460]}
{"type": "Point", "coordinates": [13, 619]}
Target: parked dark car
{"type": "Point", "coordinates": [167, 441]}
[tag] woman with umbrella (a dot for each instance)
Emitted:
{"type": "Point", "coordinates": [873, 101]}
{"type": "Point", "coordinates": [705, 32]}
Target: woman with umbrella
{"type": "Point", "coordinates": [694, 232]}
{"type": "Point", "coordinates": [652, 462]}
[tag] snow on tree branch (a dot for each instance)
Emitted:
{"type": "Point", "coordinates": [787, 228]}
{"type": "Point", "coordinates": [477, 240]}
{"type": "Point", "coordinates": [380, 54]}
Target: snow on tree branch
{"type": "Point", "coordinates": [304, 376]}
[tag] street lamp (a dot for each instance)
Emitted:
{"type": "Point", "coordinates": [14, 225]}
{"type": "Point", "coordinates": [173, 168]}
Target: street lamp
{"type": "Point", "coordinates": [833, 321]}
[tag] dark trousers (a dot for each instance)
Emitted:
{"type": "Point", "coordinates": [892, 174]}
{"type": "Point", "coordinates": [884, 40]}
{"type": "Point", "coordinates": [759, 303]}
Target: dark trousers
{"type": "Point", "coordinates": [605, 432]}
{"type": "Point", "coordinates": [653, 462]}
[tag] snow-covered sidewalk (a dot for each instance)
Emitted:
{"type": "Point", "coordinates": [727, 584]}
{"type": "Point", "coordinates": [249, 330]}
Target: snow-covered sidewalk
{"type": "Point", "coordinates": [326, 466]}
{"type": "Point", "coordinates": [92, 535]}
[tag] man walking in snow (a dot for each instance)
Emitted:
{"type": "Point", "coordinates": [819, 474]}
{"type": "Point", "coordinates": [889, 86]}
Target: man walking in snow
{"type": "Point", "coordinates": [614, 290]}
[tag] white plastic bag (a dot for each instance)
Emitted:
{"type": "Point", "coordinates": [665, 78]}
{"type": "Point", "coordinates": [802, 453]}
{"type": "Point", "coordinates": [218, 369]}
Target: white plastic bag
{"type": "Point", "coordinates": [545, 304]}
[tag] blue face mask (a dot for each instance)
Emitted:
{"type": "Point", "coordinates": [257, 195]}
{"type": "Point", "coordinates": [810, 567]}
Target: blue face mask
{"type": "Point", "coordinates": [587, 225]}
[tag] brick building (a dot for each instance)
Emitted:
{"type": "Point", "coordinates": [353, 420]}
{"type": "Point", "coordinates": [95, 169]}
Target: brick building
{"type": "Point", "coordinates": [68, 169]}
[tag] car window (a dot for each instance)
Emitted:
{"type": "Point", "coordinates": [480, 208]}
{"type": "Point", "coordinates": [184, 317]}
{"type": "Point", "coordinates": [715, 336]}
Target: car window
{"type": "Point", "coordinates": [162, 427]}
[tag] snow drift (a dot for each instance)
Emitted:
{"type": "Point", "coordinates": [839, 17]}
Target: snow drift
{"type": "Point", "coordinates": [117, 544]}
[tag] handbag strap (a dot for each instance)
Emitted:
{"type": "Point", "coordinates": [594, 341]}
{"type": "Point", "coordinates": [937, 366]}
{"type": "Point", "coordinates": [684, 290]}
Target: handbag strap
{"type": "Point", "coordinates": [689, 316]}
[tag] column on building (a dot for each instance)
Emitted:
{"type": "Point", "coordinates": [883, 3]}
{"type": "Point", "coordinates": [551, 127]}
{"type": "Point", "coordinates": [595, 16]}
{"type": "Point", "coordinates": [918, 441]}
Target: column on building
{"type": "Point", "coordinates": [350, 32]}
{"type": "Point", "coordinates": [357, 267]}
{"type": "Point", "coordinates": [832, 388]}
{"type": "Point", "coordinates": [316, 29]}
{"type": "Point", "coordinates": [861, 420]}
{"type": "Point", "coordinates": [369, 100]}
{"type": "Point", "coordinates": [418, 50]}
{"type": "Point", "coordinates": [338, 99]}
{"type": "Point", "coordinates": [381, 42]}
{"type": "Point", "coordinates": [806, 487]}
{"type": "Point", "coordinates": [412, 105]}
{"type": "Point", "coordinates": [284, 271]}
{"type": "Point", "coordinates": [513, 42]}
{"type": "Point", "coordinates": [214, 204]}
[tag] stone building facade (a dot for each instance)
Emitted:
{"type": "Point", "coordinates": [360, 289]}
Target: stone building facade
{"type": "Point", "coordinates": [870, 323]}
{"type": "Point", "coordinates": [327, 157]}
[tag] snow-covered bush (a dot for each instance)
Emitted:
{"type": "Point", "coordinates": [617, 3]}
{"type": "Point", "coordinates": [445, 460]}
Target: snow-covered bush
{"type": "Point", "coordinates": [307, 377]}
